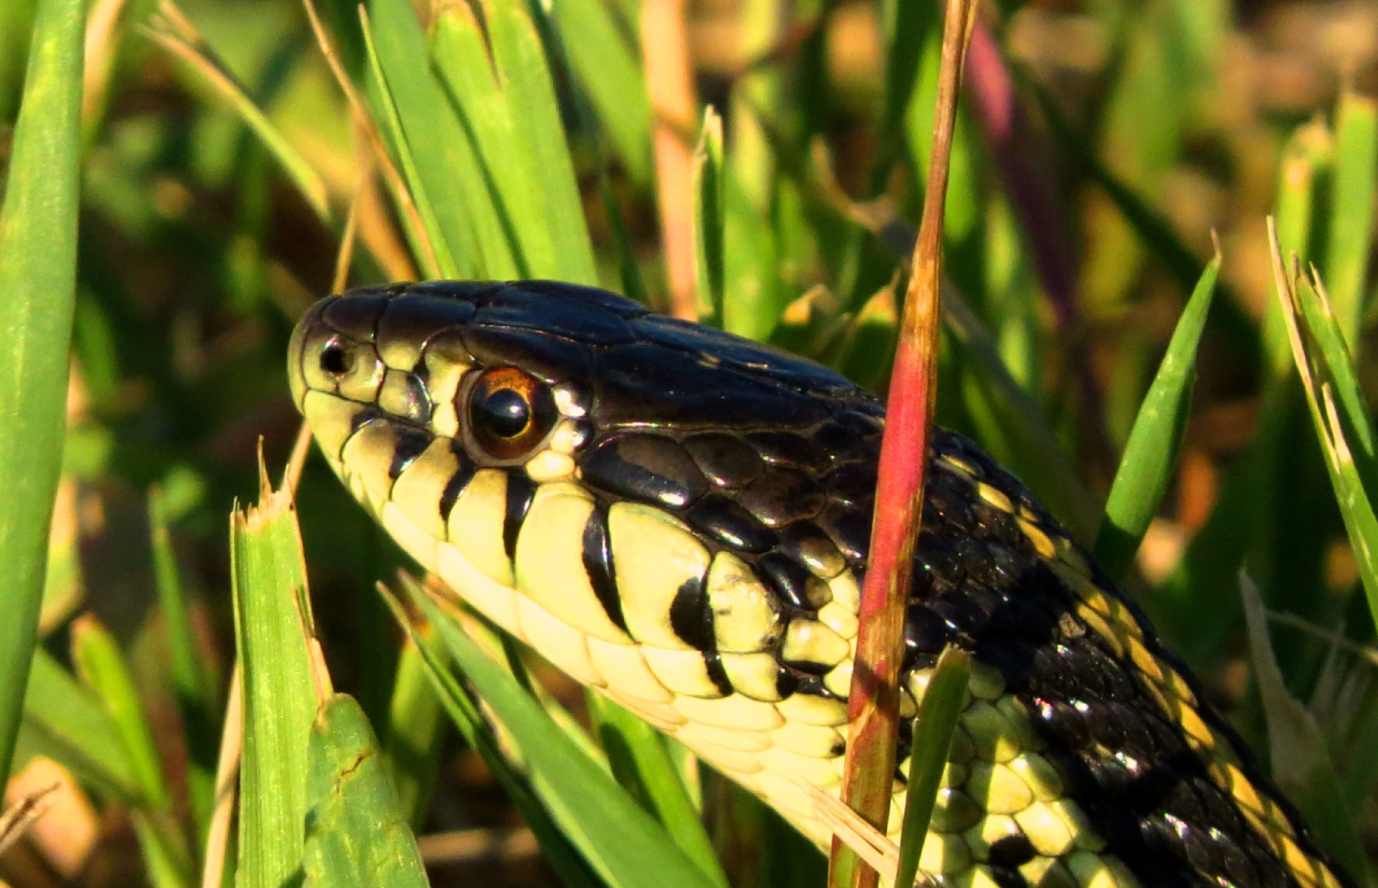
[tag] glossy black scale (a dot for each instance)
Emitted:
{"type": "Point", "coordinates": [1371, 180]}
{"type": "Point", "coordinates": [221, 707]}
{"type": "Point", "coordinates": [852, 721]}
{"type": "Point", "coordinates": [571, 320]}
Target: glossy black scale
{"type": "Point", "coordinates": [791, 443]}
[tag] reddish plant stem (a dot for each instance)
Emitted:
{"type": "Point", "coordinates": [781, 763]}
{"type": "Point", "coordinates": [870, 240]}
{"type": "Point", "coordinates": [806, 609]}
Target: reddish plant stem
{"type": "Point", "coordinates": [873, 706]}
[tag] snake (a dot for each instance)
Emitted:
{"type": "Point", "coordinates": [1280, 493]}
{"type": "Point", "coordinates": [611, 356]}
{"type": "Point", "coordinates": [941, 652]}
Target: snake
{"type": "Point", "coordinates": [679, 518]}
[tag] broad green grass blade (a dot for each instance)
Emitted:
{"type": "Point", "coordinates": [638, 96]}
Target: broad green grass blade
{"type": "Point", "coordinates": [406, 92]}
{"type": "Point", "coordinates": [442, 157]}
{"type": "Point", "coordinates": [609, 69]}
{"type": "Point", "coordinates": [411, 743]}
{"type": "Point", "coordinates": [269, 575]}
{"type": "Point", "coordinates": [1349, 238]}
{"type": "Point", "coordinates": [65, 721]}
{"type": "Point", "coordinates": [102, 668]}
{"type": "Point", "coordinates": [708, 218]}
{"type": "Point", "coordinates": [356, 830]}
{"type": "Point", "coordinates": [939, 710]}
{"type": "Point", "coordinates": [1150, 456]}
{"type": "Point", "coordinates": [1301, 762]}
{"type": "Point", "coordinates": [191, 686]}
{"type": "Point", "coordinates": [752, 296]}
{"type": "Point", "coordinates": [38, 255]}
{"type": "Point", "coordinates": [176, 36]}
{"type": "Point", "coordinates": [562, 850]}
{"type": "Point", "coordinates": [632, 846]}
{"type": "Point", "coordinates": [500, 91]}
{"type": "Point", "coordinates": [642, 765]}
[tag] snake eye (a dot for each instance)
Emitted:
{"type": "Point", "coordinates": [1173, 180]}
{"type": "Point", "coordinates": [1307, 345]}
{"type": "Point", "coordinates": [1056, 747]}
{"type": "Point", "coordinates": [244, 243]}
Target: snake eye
{"type": "Point", "coordinates": [510, 413]}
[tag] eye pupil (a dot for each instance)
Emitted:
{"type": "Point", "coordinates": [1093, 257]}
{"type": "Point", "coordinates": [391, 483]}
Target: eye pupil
{"type": "Point", "coordinates": [335, 360]}
{"type": "Point", "coordinates": [505, 412]}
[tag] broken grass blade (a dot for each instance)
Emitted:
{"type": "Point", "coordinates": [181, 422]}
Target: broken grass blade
{"type": "Point", "coordinates": [642, 765]}
{"type": "Point", "coordinates": [942, 704]}
{"type": "Point", "coordinates": [269, 579]}
{"type": "Point", "coordinates": [1301, 762]}
{"type": "Point", "coordinates": [1150, 456]}
{"type": "Point", "coordinates": [356, 830]}
{"type": "Point", "coordinates": [630, 844]}
{"type": "Point", "coordinates": [38, 257]}
{"type": "Point", "coordinates": [708, 219]}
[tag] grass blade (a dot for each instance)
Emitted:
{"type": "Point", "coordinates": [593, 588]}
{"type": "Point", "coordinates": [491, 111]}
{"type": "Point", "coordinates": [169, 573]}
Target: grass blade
{"type": "Point", "coordinates": [610, 72]}
{"type": "Point", "coordinates": [939, 710]}
{"type": "Point", "coordinates": [1150, 456]}
{"type": "Point", "coordinates": [356, 831]}
{"type": "Point", "coordinates": [642, 765]}
{"type": "Point", "coordinates": [1301, 762]}
{"type": "Point", "coordinates": [632, 846]}
{"type": "Point", "coordinates": [411, 743]}
{"type": "Point", "coordinates": [38, 249]}
{"type": "Point", "coordinates": [269, 576]}
{"type": "Point", "coordinates": [1349, 238]}
{"type": "Point", "coordinates": [66, 722]}
{"type": "Point", "coordinates": [708, 218]}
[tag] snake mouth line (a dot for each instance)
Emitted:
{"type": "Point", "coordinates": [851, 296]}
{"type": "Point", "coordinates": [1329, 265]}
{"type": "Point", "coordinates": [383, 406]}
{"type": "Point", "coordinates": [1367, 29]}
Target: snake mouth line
{"type": "Point", "coordinates": [687, 536]}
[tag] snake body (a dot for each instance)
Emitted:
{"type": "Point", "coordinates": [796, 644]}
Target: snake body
{"type": "Point", "coordinates": [679, 518]}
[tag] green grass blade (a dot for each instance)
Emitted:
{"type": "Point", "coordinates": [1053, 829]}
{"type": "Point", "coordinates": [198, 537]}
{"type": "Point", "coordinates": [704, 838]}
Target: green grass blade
{"type": "Point", "coordinates": [1306, 161]}
{"type": "Point", "coordinates": [1350, 232]}
{"type": "Point", "coordinates": [404, 94]}
{"type": "Point", "coordinates": [560, 849]}
{"type": "Point", "coordinates": [501, 93]}
{"type": "Point", "coordinates": [191, 685]}
{"type": "Point", "coordinates": [1301, 762]}
{"type": "Point", "coordinates": [632, 846]}
{"type": "Point", "coordinates": [103, 669]}
{"type": "Point", "coordinates": [202, 59]}
{"type": "Point", "coordinates": [939, 710]}
{"type": "Point", "coordinates": [65, 721]}
{"type": "Point", "coordinates": [411, 743]}
{"type": "Point", "coordinates": [442, 155]}
{"type": "Point", "coordinates": [38, 254]}
{"type": "Point", "coordinates": [1150, 456]}
{"type": "Point", "coordinates": [356, 830]}
{"type": "Point", "coordinates": [708, 218]}
{"type": "Point", "coordinates": [269, 576]}
{"type": "Point", "coordinates": [609, 69]}
{"type": "Point", "coordinates": [642, 765]}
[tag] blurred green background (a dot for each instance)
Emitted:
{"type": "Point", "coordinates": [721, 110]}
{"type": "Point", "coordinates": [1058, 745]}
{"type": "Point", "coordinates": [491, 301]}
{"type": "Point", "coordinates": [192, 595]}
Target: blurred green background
{"type": "Point", "coordinates": [1100, 145]}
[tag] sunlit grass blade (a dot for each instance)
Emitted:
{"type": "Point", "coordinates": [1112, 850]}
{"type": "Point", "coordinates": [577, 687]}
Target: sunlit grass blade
{"type": "Point", "coordinates": [708, 218]}
{"type": "Point", "coordinates": [499, 88]}
{"type": "Point", "coordinates": [437, 155]}
{"type": "Point", "coordinates": [939, 709]}
{"type": "Point", "coordinates": [609, 70]}
{"type": "Point", "coordinates": [175, 33]}
{"type": "Point", "coordinates": [1150, 456]}
{"type": "Point", "coordinates": [643, 767]}
{"type": "Point", "coordinates": [356, 830]}
{"type": "Point", "coordinates": [632, 847]}
{"type": "Point", "coordinates": [1350, 231]}
{"type": "Point", "coordinates": [561, 850]}
{"type": "Point", "coordinates": [411, 741]}
{"type": "Point", "coordinates": [1301, 761]}
{"type": "Point", "coordinates": [1306, 161]}
{"type": "Point", "coordinates": [38, 255]}
{"type": "Point", "coordinates": [66, 722]}
{"type": "Point", "coordinates": [1327, 374]}
{"type": "Point", "coordinates": [463, 257]}
{"type": "Point", "coordinates": [269, 575]}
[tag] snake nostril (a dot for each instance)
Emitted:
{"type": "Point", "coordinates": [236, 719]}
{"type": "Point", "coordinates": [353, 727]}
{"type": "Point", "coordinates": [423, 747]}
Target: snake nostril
{"type": "Point", "coordinates": [335, 359]}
